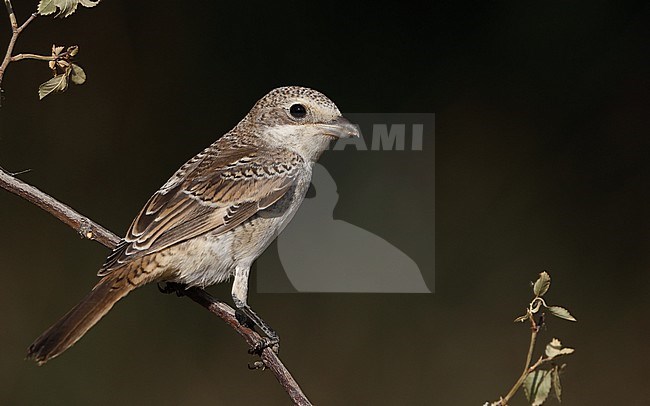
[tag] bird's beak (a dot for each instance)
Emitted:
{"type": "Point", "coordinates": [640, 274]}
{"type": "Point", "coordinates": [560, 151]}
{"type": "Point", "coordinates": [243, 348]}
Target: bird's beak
{"type": "Point", "coordinates": [340, 127]}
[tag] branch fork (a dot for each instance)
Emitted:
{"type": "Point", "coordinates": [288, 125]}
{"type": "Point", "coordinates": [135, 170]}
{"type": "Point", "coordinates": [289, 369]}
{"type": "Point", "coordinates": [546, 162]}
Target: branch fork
{"type": "Point", "coordinates": [15, 32]}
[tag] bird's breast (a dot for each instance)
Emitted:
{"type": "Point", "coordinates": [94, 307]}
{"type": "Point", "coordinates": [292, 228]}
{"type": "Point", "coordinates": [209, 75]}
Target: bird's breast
{"type": "Point", "coordinates": [253, 236]}
{"type": "Point", "coordinates": [212, 258]}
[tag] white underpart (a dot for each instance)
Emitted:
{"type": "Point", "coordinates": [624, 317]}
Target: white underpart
{"type": "Point", "coordinates": [206, 261]}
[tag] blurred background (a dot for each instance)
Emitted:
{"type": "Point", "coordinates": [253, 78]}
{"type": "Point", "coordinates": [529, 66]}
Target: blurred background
{"type": "Point", "coordinates": [540, 164]}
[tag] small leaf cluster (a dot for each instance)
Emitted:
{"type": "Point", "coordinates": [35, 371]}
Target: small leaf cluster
{"type": "Point", "coordinates": [64, 71]}
{"type": "Point", "coordinates": [61, 64]}
{"type": "Point", "coordinates": [539, 382]}
{"type": "Point", "coordinates": [540, 287]}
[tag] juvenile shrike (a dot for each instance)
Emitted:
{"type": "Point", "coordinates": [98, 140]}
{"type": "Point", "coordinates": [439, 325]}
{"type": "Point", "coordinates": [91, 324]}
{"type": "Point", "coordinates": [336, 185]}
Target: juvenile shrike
{"type": "Point", "coordinates": [217, 213]}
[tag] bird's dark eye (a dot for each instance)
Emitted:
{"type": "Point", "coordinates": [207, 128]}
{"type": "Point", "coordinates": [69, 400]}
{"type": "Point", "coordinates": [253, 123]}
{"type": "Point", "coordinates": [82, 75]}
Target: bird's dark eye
{"type": "Point", "coordinates": [298, 111]}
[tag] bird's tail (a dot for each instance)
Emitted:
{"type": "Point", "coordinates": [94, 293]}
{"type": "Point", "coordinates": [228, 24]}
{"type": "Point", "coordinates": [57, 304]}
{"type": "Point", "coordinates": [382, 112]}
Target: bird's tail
{"type": "Point", "coordinates": [65, 332]}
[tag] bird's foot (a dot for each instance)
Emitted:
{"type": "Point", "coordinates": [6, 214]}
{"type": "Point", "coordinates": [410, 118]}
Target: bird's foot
{"type": "Point", "coordinates": [248, 318]}
{"type": "Point", "coordinates": [172, 287]}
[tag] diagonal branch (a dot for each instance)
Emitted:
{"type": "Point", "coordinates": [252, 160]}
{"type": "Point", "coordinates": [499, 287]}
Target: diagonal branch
{"type": "Point", "coordinates": [91, 230]}
{"type": "Point", "coordinates": [84, 226]}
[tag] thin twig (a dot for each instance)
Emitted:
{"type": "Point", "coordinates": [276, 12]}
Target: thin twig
{"type": "Point", "coordinates": [15, 32]}
{"type": "Point", "coordinates": [63, 55]}
{"type": "Point", "coordinates": [12, 16]}
{"type": "Point", "coordinates": [20, 57]}
{"type": "Point", "coordinates": [534, 329]}
{"type": "Point", "coordinates": [89, 229]}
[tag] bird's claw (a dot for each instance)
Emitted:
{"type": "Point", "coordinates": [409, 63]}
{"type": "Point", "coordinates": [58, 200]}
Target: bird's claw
{"type": "Point", "coordinates": [265, 342]}
{"type": "Point", "coordinates": [257, 365]}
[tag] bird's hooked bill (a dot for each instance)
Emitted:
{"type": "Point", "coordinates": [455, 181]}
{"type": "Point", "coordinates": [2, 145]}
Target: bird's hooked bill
{"type": "Point", "coordinates": [341, 127]}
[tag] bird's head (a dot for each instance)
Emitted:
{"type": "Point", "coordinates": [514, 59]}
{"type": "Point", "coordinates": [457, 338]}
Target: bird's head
{"type": "Point", "coordinates": [299, 119]}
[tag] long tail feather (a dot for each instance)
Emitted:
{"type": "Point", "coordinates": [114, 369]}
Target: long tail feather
{"type": "Point", "coordinates": [71, 327]}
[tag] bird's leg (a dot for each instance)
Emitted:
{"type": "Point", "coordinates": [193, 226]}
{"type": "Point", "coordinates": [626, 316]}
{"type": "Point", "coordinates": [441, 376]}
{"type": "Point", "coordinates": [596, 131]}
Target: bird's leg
{"type": "Point", "coordinates": [246, 316]}
{"type": "Point", "coordinates": [172, 287]}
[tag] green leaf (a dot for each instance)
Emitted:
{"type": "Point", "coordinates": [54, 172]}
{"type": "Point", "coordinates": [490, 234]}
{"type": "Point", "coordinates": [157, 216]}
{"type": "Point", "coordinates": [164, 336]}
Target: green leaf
{"type": "Point", "coordinates": [555, 349]}
{"type": "Point", "coordinates": [73, 50]}
{"type": "Point", "coordinates": [59, 83]}
{"type": "Point", "coordinates": [557, 387]}
{"type": "Point", "coordinates": [46, 7]}
{"type": "Point", "coordinates": [66, 7]}
{"type": "Point", "coordinates": [537, 386]}
{"type": "Point", "coordinates": [521, 319]}
{"type": "Point", "coordinates": [56, 51]}
{"type": "Point", "coordinates": [542, 284]}
{"type": "Point", "coordinates": [535, 305]}
{"type": "Point", "coordinates": [77, 75]}
{"type": "Point", "coordinates": [88, 3]}
{"type": "Point", "coordinates": [561, 312]}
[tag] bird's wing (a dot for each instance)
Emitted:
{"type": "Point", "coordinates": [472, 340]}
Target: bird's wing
{"type": "Point", "coordinates": [217, 190]}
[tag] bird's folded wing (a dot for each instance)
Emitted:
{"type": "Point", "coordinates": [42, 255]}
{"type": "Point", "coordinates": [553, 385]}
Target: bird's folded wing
{"type": "Point", "coordinates": [212, 194]}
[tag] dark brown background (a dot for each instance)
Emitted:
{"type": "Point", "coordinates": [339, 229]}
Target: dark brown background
{"type": "Point", "coordinates": [541, 163]}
